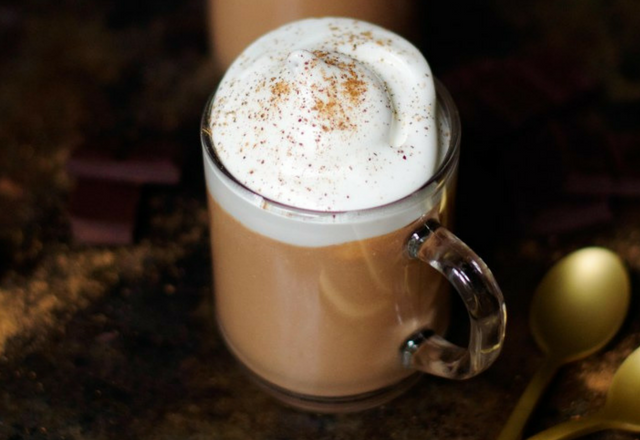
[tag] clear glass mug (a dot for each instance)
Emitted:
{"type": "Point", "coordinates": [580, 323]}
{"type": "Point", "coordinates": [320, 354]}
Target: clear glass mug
{"type": "Point", "coordinates": [341, 311]}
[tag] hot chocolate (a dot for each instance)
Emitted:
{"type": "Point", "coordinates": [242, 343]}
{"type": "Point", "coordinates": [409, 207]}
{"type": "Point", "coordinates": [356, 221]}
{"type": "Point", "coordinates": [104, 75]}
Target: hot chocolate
{"type": "Point", "coordinates": [235, 24]}
{"type": "Point", "coordinates": [322, 321]}
{"type": "Point", "coordinates": [327, 150]}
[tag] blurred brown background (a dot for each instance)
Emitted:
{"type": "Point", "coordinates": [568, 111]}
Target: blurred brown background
{"type": "Point", "coordinates": [105, 327]}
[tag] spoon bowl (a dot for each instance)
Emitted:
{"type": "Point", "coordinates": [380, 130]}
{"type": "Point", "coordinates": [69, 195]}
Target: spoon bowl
{"type": "Point", "coordinates": [580, 304]}
{"type": "Point", "coordinates": [577, 308]}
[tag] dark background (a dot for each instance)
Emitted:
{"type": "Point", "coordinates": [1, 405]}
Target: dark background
{"type": "Point", "coordinates": [115, 340]}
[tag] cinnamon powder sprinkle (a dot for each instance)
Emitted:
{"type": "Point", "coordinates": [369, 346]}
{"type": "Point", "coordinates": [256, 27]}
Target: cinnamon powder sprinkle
{"type": "Point", "coordinates": [342, 91]}
{"type": "Point", "coordinates": [354, 88]}
{"type": "Point", "coordinates": [280, 88]}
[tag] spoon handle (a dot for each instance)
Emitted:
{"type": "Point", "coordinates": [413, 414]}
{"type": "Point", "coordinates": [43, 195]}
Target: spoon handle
{"type": "Point", "coordinates": [515, 424]}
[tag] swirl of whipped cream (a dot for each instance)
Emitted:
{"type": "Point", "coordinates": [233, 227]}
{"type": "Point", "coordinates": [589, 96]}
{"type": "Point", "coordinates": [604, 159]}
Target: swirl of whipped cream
{"type": "Point", "coordinates": [329, 114]}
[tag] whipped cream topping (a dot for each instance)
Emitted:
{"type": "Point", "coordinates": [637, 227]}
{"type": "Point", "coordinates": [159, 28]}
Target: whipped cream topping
{"type": "Point", "coordinates": [329, 114]}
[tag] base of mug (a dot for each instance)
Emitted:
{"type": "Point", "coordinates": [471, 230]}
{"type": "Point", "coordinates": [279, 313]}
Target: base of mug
{"type": "Point", "coordinates": [333, 405]}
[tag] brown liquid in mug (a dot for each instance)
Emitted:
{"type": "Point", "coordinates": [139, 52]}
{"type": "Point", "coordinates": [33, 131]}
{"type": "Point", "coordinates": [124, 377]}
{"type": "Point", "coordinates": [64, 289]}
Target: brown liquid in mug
{"type": "Point", "coordinates": [322, 321]}
{"type": "Point", "coordinates": [234, 24]}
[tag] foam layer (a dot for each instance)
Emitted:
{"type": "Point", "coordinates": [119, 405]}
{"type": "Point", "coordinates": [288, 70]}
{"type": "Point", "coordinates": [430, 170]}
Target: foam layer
{"type": "Point", "coordinates": [328, 114]}
{"type": "Point", "coordinates": [311, 229]}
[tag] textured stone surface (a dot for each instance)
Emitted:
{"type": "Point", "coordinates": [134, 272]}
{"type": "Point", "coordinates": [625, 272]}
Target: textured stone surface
{"type": "Point", "coordinates": [101, 342]}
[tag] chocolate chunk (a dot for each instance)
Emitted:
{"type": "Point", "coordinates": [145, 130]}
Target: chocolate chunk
{"type": "Point", "coordinates": [533, 164]}
{"type": "Point", "coordinates": [103, 212]}
{"type": "Point", "coordinates": [508, 95]}
{"type": "Point", "coordinates": [600, 163]}
{"type": "Point", "coordinates": [141, 167]}
{"type": "Point", "coordinates": [590, 184]}
{"type": "Point", "coordinates": [498, 96]}
{"type": "Point", "coordinates": [104, 201]}
{"type": "Point", "coordinates": [557, 76]}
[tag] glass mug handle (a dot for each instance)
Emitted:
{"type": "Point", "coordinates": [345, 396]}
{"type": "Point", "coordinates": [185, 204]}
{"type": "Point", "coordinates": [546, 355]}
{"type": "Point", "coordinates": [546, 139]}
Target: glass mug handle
{"type": "Point", "coordinates": [428, 352]}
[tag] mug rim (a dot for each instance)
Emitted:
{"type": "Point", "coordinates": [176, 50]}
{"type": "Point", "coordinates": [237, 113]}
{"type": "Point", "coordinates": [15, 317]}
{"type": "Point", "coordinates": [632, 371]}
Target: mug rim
{"type": "Point", "coordinates": [444, 102]}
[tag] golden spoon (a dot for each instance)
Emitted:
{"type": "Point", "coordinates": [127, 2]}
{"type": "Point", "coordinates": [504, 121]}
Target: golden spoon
{"type": "Point", "coordinates": [577, 308]}
{"type": "Point", "coordinates": [621, 410]}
